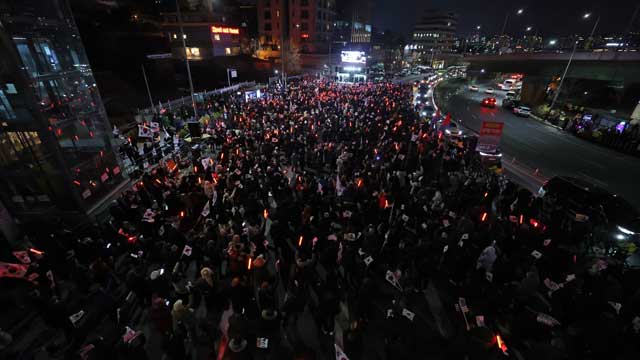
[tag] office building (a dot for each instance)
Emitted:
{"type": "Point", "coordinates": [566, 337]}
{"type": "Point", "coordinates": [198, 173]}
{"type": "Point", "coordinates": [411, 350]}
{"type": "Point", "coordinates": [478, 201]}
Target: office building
{"type": "Point", "coordinates": [304, 24]}
{"type": "Point", "coordinates": [206, 35]}
{"type": "Point", "coordinates": [56, 153]}
{"type": "Point", "coordinates": [435, 32]}
{"type": "Point", "coordinates": [353, 21]}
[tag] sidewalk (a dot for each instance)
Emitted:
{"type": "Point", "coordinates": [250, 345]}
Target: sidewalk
{"type": "Point", "coordinates": [536, 117]}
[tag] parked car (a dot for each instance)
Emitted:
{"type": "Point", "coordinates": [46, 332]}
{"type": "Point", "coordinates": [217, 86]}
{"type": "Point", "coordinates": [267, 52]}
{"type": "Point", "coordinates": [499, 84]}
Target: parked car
{"type": "Point", "coordinates": [489, 91]}
{"type": "Point", "coordinates": [473, 88]}
{"type": "Point", "coordinates": [488, 102]}
{"type": "Point", "coordinates": [522, 111]}
{"type": "Point", "coordinates": [580, 200]}
{"type": "Point", "coordinates": [509, 103]}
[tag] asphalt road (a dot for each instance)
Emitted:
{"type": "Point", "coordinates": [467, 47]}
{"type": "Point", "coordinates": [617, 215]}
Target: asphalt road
{"type": "Point", "coordinates": [534, 151]}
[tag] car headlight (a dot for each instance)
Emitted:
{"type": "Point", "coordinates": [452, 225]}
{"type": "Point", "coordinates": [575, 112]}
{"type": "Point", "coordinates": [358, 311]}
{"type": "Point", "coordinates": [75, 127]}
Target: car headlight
{"type": "Point", "coordinates": [625, 231]}
{"type": "Point", "coordinates": [448, 131]}
{"type": "Point", "coordinates": [424, 113]}
{"type": "Point", "coordinates": [487, 154]}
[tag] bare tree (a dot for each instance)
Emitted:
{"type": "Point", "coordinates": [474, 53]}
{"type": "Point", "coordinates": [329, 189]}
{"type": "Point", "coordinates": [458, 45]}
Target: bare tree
{"type": "Point", "coordinates": [292, 61]}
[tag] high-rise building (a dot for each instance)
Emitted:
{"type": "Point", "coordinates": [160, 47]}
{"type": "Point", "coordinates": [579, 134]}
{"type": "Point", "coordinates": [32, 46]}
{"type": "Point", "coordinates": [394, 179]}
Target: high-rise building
{"type": "Point", "coordinates": [271, 27]}
{"type": "Point", "coordinates": [435, 32]}
{"type": "Point", "coordinates": [56, 151]}
{"type": "Point", "coordinates": [307, 24]}
{"type": "Point", "coordinates": [205, 34]}
{"type": "Point", "coordinates": [353, 21]}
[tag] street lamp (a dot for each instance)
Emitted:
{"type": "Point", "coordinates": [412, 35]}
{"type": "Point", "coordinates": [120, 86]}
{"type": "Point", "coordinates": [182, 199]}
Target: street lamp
{"type": "Point", "coordinates": [573, 52]}
{"type": "Point", "coordinates": [593, 30]}
{"type": "Point", "coordinates": [186, 59]}
{"type": "Point", "coordinates": [529, 28]}
{"type": "Point", "coordinates": [478, 27]}
{"type": "Point", "coordinates": [506, 19]}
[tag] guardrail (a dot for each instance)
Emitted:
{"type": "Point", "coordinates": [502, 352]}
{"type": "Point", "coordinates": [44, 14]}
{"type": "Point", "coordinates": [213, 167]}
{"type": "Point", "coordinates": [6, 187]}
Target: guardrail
{"type": "Point", "coordinates": [199, 97]}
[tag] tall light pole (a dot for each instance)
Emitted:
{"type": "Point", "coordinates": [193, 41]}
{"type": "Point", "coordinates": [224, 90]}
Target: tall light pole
{"type": "Point", "coordinates": [186, 58]}
{"type": "Point", "coordinates": [566, 69]}
{"type": "Point", "coordinates": [506, 19]}
{"type": "Point", "coordinates": [146, 82]}
{"type": "Point", "coordinates": [504, 25]}
{"type": "Point", "coordinates": [593, 30]}
{"type": "Point", "coordinates": [564, 74]}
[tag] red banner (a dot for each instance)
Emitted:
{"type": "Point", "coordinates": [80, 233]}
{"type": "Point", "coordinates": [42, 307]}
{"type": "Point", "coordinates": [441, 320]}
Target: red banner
{"type": "Point", "coordinates": [489, 138]}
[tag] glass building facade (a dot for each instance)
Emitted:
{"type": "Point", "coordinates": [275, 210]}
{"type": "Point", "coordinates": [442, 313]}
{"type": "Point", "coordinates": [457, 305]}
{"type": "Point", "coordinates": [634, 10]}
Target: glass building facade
{"type": "Point", "coordinates": [56, 150]}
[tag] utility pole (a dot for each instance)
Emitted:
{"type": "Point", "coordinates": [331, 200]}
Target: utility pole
{"type": "Point", "coordinates": [564, 74]}
{"type": "Point", "coordinates": [282, 26]}
{"type": "Point", "coordinates": [593, 30]}
{"type": "Point", "coordinates": [186, 58]}
{"type": "Point", "coordinates": [146, 82]}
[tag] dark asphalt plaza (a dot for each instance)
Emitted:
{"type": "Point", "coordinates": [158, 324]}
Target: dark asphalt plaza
{"type": "Point", "coordinates": [529, 145]}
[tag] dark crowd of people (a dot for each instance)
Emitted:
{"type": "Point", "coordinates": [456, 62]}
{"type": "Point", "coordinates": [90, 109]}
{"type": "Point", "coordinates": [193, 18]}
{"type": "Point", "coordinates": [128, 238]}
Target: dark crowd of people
{"type": "Point", "coordinates": [625, 139]}
{"type": "Point", "coordinates": [328, 220]}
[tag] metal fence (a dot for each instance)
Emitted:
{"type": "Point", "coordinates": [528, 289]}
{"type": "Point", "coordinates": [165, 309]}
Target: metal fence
{"type": "Point", "coordinates": [199, 97]}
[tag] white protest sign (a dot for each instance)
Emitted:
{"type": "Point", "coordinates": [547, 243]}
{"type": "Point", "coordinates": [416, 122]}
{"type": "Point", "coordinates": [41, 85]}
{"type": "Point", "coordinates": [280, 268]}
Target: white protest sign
{"type": "Point", "coordinates": [262, 343]}
{"type": "Point", "coordinates": [408, 314]}
{"type": "Point", "coordinates": [76, 317]}
{"type": "Point", "coordinates": [206, 210]}
{"type": "Point", "coordinates": [391, 278]}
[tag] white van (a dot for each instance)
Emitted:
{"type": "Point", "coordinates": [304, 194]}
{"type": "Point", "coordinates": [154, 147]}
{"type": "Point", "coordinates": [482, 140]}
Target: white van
{"type": "Point", "coordinates": [511, 95]}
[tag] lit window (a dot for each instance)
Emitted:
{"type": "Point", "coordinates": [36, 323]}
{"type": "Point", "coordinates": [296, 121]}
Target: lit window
{"type": "Point", "coordinates": [216, 37]}
{"type": "Point", "coordinates": [227, 51]}
{"type": "Point", "coordinates": [175, 36]}
{"type": "Point", "coordinates": [6, 111]}
{"type": "Point", "coordinates": [193, 52]}
{"type": "Point", "coordinates": [184, 36]}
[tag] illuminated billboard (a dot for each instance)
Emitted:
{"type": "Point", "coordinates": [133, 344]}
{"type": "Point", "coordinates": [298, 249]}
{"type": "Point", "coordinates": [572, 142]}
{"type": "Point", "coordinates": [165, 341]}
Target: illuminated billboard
{"type": "Point", "coordinates": [225, 30]}
{"type": "Point", "coordinates": [353, 57]}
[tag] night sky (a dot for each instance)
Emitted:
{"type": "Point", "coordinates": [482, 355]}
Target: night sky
{"type": "Point", "coordinates": [546, 15]}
